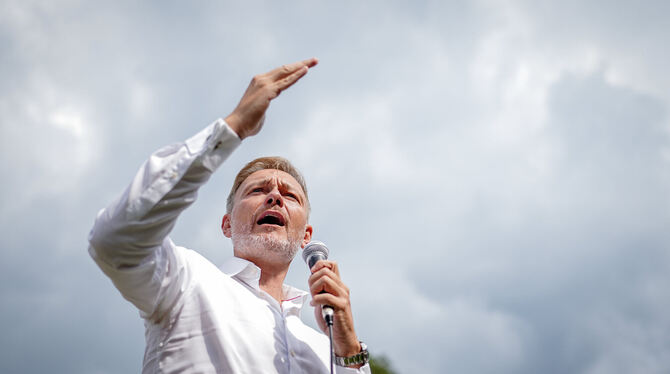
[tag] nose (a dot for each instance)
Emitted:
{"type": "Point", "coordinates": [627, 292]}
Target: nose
{"type": "Point", "coordinates": [274, 198]}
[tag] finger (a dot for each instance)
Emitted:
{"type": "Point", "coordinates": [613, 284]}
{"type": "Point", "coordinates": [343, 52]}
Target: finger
{"type": "Point", "coordinates": [311, 62]}
{"type": "Point", "coordinates": [332, 265]}
{"type": "Point", "coordinates": [328, 285]}
{"type": "Point", "coordinates": [289, 69]}
{"type": "Point", "coordinates": [335, 302]}
{"type": "Point", "coordinates": [288, 81]}
{"type": "Point", "coordinates": [324, 272]}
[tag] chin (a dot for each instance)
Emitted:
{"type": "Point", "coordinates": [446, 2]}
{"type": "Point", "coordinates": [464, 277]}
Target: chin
{"type": "Point", "coordinates": [265, 245]}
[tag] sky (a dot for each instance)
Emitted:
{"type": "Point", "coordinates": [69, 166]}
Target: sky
{"type": "Point", "coordinates": [492, 176]}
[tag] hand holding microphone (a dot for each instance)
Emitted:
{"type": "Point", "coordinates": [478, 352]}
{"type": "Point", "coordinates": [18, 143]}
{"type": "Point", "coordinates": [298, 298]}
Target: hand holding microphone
{"type": "Point", "coordinates": [332, 294]}
{"type": "Point", "coordinates": [314, 252]}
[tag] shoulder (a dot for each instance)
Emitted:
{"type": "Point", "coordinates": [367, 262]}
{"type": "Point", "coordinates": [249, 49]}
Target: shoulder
{"type": "Point", "coordinates": [196, 263]}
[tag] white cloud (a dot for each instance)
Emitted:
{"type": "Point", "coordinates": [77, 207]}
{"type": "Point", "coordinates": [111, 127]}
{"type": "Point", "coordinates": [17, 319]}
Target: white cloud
{"type": "Point", "coordinates": [50, 140]}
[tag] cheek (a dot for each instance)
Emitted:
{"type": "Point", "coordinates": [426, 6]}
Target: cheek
{"type": "Point", "coordinates": [240, 216]}
{"type": "Point", "coordinates": [243, 208]}
{"type": "Point", "coordinates": [298, 218]}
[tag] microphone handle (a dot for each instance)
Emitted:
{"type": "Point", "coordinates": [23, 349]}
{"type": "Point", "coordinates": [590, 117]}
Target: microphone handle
{"type": "Point", "coordinates": [327, 314]}
{"type": "Point", "coordinates": [326, 310]}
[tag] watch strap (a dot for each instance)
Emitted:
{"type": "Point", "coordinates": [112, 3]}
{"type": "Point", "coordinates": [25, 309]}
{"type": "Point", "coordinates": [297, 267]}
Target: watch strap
{"type": "Point", "coordinates": [360, 358]}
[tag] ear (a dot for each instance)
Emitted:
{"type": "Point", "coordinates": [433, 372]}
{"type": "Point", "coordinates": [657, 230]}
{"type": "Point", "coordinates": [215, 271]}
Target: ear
{"type": "Point", "coordinates": [225, 226]}
{"type": "Point", "coordinates": [308, 235]}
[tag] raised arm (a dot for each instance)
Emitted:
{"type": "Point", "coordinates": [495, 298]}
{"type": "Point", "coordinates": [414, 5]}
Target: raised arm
{"type": "Point", "coordinates": [129, 240]}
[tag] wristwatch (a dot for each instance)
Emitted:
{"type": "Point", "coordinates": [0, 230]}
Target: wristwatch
{"type": "Point", "coordinates": [360, 358]}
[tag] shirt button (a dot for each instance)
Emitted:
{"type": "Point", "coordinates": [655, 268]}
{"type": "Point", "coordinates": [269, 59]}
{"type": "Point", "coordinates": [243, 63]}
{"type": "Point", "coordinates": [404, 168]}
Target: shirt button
{"type": "Point", "coordinates": [292, 353]}
{"type": "Point", "coordinates": [160, 344]}
{"type": "Point", "coordinates": [218, 145]}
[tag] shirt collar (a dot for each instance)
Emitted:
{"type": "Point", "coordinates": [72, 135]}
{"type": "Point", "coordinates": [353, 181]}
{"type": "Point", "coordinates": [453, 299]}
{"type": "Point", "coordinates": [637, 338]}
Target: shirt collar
{"type": "Point", "coordinates": [244, 270]}
{"type": "Point", "coordinates": [294, 299]}
{"type": "Point", "coordinates": [250, 274]}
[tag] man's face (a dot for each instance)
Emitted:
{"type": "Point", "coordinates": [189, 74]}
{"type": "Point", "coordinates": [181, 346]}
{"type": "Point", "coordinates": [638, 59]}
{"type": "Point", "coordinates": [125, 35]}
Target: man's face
{"type": "Point", "coordinates": [269, 218]}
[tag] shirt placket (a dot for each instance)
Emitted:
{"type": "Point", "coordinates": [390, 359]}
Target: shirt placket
{"type": "Point", "coordinates": [286, 352]}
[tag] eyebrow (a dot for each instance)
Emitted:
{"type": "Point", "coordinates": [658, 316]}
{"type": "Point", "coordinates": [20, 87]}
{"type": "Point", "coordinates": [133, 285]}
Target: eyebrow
{"type": "Point", "coordinates": [266, 180]}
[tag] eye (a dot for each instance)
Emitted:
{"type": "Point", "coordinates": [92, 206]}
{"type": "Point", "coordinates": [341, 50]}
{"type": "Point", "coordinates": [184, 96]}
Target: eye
{"type": "Point", "coordinates": [257, 189]}
{"type": "Point", "coordinates": [291, 195]}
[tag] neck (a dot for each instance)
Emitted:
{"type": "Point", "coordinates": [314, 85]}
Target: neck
{"type": "Point", "coordinates": [272, 275]}
{"type": "Point", "coordinates": [272, 281]}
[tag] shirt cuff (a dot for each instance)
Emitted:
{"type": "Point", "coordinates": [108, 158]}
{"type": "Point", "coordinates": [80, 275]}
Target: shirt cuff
{"type": "Point", "coordinates": [365, 369]}
{"type": "Point", "coordinates": [216, 143]}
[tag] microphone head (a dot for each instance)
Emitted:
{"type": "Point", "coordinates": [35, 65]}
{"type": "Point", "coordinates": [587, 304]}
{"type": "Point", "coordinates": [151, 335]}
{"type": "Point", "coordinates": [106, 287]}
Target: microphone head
{"type": "Point", "coordinates": [314, 251]}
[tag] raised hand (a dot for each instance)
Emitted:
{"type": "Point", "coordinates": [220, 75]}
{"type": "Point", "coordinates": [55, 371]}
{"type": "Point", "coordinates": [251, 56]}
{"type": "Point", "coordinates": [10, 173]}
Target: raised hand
{"type": "Point", "coordinates": [248, 117]}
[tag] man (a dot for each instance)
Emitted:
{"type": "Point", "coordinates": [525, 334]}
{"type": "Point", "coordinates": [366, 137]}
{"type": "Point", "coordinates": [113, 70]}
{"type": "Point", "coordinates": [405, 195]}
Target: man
{"type": "Point", "coordinates": [241, 318]}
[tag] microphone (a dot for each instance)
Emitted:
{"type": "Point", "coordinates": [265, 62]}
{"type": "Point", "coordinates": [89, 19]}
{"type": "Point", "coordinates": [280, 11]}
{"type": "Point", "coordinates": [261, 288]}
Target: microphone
{"type": "Point", "coordinates": [315, 251]}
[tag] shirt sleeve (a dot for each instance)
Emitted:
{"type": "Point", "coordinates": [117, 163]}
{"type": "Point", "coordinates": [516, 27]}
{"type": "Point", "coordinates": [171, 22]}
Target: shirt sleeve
{"type": "Point", "coordinates": [129, 240]}
{"type": "Point", "coordinates": [365, 369]}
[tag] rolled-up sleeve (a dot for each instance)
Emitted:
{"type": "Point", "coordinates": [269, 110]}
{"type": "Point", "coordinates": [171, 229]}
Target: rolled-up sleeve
{"type": "Point", "coordinates": [129, 240]}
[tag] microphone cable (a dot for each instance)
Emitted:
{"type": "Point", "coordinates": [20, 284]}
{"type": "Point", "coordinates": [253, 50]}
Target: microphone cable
{"type": "Point", "coordinates": [329, 322]}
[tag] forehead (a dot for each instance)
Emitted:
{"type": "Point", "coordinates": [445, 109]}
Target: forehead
{"type": "Point", "coordinates": [272, 175]}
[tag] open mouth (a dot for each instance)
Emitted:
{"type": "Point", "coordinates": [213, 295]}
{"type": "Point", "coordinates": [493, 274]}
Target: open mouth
{"type": "Point", "coordinates": [271, 219]}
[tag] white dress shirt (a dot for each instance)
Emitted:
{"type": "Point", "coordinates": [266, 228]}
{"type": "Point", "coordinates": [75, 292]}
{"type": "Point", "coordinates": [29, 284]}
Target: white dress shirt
{"type": "Point", "coordinates": [198, 318]}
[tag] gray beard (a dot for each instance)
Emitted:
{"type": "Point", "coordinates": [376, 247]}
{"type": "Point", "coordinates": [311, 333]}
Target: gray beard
{"type": "Point", "coordinates": [263, 246]}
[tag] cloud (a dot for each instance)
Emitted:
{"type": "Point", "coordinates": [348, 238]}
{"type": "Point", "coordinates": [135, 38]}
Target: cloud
{"type": "Point", "coordinates": [491, 176]}
{"type": "Point", "coordinates": [548, 253]}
